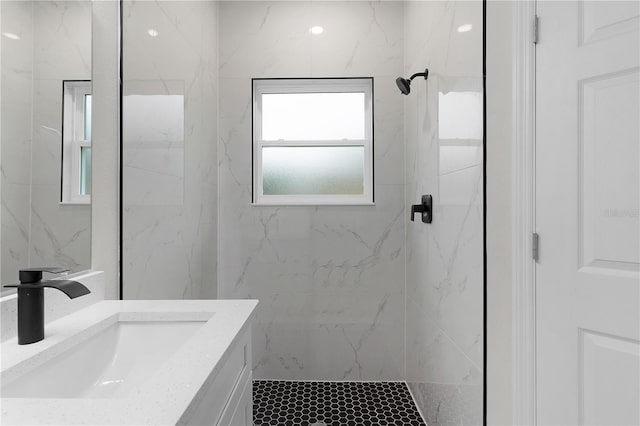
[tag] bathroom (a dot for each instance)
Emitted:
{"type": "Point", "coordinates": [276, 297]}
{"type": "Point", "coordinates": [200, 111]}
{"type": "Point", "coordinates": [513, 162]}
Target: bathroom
{"type": "Point", "coordinates": [321, 212]}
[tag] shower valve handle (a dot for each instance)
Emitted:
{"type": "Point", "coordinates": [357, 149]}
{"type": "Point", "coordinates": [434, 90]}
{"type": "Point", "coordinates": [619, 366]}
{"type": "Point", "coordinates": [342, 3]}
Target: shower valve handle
{"type": "Point", "coordinates": [426, 209]}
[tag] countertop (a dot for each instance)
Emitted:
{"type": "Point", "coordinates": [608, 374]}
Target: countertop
{"type": "Point", "coordinates": [163, 399]}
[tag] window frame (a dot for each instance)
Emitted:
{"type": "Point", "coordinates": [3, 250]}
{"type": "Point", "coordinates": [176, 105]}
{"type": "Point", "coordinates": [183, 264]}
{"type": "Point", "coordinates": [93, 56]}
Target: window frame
{"type": "Point", "coordinates": [74, 94]}
{"type": "Point", "coordinates": [262, 86]}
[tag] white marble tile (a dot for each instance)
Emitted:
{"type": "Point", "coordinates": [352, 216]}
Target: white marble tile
{"type": "Point", "coordinates": [16, 130]}
{"type": "Point", "coordinates": [330, 278]}
{"type": "Point", "coordinates": [388, 131]}
{"type": "Point", "coordinates": [17, 74]}
{"type": "Point", "coordinates": [184, 49]}
{"type": "Point", "coordinates": [434, 41]}
{"type": "Point", "coordinates": [432, 355]}
{"type": "Point", "coordinates": [445, 404]}
{"type": "Point", "coordinates": [15, 230]}
{"type": "Point", "coordinates": [359, 38]}
{"type": "Point", "coordinates": [234, 139]}
{"type": "Point", "coordinates": [336, 344]}
{"type": "Point", "coordinates": [62, 47]}
{"type": "Point", "coordinates": [328, 273]}
{"type": "Point", "coordinates": [60, 234]}
{"type": "Point", "coordinates": [167, 252]}
{"type": "Point", "coordinates": [47, 131]}
{"type": "Point", "coordinates": [265, 39]}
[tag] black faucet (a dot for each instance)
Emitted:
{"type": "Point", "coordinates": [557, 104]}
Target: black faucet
{"type": "Point", "coordinates": [31, 300]}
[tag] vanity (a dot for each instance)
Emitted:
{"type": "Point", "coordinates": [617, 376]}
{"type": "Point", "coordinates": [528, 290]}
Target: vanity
{"type": "Point", "coordinates": [164, 362]}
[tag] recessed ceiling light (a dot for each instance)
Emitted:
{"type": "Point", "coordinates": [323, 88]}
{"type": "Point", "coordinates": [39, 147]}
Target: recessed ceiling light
{"type": "Point", "coordinates": [152, 32]}
{"type": "Point", "coordinates": [316, 29]}
{"type": "Point", "coordinates": [12, 36]}
{"type": "Point", "coordinates": [464, 28]}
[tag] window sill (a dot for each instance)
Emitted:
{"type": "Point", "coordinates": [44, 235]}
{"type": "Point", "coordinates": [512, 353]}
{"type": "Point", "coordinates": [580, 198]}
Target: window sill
{"type": "Point", "coordinates": [75, 203]}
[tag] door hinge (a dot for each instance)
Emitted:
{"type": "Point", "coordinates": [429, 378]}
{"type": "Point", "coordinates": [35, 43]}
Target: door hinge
{"type": "Point", "coordinates": [535, 241]}
{"type": "Point", "coordinates": [536, 29]}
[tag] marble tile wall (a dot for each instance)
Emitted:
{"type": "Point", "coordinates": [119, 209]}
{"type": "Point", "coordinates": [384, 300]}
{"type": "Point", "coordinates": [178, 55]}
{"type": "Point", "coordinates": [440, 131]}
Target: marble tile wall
{"type": "Point", "coordinates": [16, 107]}
{"type": "Point", "coordinates": [444, 275]}
{"type": "Point", "coordinates": [170, 149]}
{"type": "Point", "coordinates": [330, 279]}
{"type": "Point", "coordinates": [54, 45]}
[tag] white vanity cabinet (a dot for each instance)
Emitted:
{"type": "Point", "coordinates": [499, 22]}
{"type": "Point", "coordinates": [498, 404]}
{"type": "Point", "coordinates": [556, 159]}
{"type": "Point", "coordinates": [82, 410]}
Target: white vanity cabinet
{"type": "Point", "coordinates": [226, 398]}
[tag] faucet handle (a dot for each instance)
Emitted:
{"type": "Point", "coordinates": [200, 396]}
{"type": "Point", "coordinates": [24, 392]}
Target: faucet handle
{"type": "Point", "coordinates": [33, 275]}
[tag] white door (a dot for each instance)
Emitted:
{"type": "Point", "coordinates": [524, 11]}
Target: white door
{"type": "Point", "coordinates": [587, 213]}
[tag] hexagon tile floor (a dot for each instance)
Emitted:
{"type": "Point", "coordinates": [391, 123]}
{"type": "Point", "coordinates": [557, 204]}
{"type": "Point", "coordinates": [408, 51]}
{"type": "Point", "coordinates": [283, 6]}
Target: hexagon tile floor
{"type": "Point", "coordinates": [296, 403]}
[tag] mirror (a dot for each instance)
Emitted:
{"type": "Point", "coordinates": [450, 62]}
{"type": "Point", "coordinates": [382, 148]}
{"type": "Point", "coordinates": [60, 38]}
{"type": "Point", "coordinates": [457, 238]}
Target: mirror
{"type": "Point", "coordinates": [45, 135]}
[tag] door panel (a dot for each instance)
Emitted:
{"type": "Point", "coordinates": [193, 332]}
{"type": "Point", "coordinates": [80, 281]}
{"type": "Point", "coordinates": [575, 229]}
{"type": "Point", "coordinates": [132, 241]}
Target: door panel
{"type": "Point", "coordinates": [609, 392]}
{"type": "Point", "coordinates": [608, 144]}
{"type": "Point", "coordinates": [587, 213]}
{"type": "Point", "coordinates": [599, 20]}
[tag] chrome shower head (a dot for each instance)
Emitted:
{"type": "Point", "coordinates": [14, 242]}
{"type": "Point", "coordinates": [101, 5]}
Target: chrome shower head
{"type": "Point", "coordinates": [405, 85]}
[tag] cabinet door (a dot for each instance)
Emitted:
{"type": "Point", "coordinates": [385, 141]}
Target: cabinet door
{"type": "Point", "coordinates": [219, 400]}
{"type": "Point", "coordinates": [243, 415]}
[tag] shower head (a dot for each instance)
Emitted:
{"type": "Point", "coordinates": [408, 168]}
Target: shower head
{"type": "Point", "coordinates": [405, 85]}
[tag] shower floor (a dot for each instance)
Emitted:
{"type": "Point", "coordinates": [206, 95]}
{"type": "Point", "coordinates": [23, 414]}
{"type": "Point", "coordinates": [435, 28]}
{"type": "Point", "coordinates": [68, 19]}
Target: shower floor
{"type": "Point", "coordinates": [299, 403]}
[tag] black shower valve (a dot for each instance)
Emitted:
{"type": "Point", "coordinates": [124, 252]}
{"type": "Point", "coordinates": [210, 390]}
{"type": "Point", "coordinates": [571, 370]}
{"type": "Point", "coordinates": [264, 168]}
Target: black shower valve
{"type": "Point", "coordinates": [426, 209]}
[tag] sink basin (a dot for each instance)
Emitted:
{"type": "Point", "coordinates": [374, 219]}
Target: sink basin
{"type": "Point", "coordinates": [125, 362]}
{"type": "Point", "coordinates": [109, 364]}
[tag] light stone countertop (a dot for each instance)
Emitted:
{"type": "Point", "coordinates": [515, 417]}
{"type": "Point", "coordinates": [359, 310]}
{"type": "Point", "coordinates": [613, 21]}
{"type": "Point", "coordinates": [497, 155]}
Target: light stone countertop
{"type": "Point", "coordinates": [163, 399]}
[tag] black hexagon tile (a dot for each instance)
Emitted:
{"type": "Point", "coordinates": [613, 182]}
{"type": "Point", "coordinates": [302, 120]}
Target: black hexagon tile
{"type": "Point", "coordinates": [297, 403]}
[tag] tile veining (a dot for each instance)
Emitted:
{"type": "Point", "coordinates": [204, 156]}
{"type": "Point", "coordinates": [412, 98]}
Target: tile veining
{"type": "Point", "coordinates": [329, 277]}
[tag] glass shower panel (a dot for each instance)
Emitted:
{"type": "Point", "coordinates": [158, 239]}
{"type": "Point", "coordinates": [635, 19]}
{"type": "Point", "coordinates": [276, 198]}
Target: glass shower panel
{"type": "Point", "coordinates": [444, 151]}
{"type": "Point", "coordinates": [169, 131]}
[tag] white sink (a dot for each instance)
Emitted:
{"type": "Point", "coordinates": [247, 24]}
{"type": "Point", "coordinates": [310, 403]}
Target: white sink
{"type": "Point", "coordinates": [122, 362]}
{"type": "Point", "coordinates": [107, 365]}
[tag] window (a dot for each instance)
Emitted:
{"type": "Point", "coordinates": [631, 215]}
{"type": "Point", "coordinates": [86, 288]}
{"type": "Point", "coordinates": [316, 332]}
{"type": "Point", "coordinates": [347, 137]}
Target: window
{"type": "Point", "coordinates": [76, 142]}
{"type": "Point", "coordinates": [313, 141]}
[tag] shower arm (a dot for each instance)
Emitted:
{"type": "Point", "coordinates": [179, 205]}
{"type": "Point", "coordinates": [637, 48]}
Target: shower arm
{"type": "Point", "coordinates": [424, 74]}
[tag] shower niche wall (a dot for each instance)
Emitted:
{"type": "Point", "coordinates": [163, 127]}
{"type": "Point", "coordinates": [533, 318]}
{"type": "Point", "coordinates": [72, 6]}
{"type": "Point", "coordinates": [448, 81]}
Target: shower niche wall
{"type": "Point", "coordinates": [346, 292]}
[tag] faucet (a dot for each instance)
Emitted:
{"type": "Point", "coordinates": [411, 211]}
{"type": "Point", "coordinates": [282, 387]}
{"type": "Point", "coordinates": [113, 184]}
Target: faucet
{"type": "Point", "coordinates": [31, 300]}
